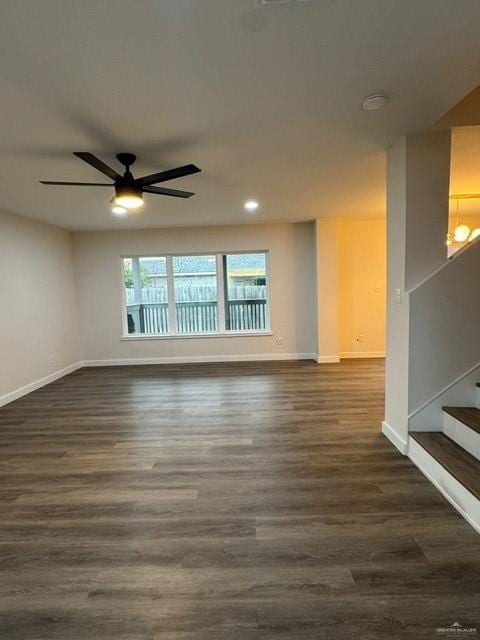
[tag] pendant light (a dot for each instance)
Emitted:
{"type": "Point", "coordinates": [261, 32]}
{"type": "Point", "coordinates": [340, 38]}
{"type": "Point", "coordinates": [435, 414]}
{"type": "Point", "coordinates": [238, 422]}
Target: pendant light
{"type": "Point", "coordinates": [461, 231]}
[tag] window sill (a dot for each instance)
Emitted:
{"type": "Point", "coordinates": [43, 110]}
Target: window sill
{"type": "Point", "coordinates": [189, 336]}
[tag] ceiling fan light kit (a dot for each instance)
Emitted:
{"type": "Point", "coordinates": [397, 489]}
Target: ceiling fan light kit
{"type": "Point", "coordinates": [128, 189]}
{"type": "Point", "coordinates": [128, 196]}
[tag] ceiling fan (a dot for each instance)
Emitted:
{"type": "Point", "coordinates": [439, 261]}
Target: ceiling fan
{"type": "Point", "coordinates": [129, 190]}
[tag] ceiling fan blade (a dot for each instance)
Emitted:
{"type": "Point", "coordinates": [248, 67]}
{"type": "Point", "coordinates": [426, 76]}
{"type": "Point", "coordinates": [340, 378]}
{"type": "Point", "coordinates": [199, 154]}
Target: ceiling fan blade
{"type": "Point", "coordinates": [171, 174]}
{"type": "Point", "coordinates": [78, 184]}
{"type": "Point", "coordinates": [168, 192]}
{"type": "Point", "coordinates": [95, 162]}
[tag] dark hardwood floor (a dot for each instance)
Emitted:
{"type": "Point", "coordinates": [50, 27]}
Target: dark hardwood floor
{"type": "Point", "coordinates": [253, 501]}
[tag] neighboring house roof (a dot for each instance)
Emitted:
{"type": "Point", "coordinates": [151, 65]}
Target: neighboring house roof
{"type": "Point", "coordinates": [247, 261]}
{"type": "Point", "coordinates": [154, 266]}
{"type": "Point", "coordinates": [201, 265]}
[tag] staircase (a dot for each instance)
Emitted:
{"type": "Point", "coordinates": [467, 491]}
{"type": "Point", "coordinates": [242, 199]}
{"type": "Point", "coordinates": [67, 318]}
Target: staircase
{"type": "Point", "coordinates": [433, 315]}
{"type": "Point", "coordinates": [451, 458]}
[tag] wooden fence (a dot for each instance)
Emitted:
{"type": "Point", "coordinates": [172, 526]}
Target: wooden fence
{"type": "Point", "coordinates": [197, 317]}
{"type": "Point", "coordinates": [246, 315]}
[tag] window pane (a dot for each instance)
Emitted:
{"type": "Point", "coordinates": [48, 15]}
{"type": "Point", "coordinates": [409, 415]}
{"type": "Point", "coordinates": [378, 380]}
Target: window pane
{"type": "Point", "coordinates": [146, 294]}
{"type": "Point", "coordinates": [246, 291]}
{"type": "Point", "coordinates": [195, 283]}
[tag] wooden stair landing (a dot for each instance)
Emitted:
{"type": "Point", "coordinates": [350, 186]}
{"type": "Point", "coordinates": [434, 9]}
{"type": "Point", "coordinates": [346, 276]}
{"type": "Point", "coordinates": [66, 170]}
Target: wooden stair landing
{"type": "Point", "coordinates": [460, 464]}
{"type": "Point", "coordinates": [470, 416]}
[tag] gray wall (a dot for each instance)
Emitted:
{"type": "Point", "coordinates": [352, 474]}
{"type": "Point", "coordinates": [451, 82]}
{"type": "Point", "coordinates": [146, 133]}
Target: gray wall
{"type": "Point", "coordinates": [38, 310]}
{"type": "Point", "coordinates": [292, 290]}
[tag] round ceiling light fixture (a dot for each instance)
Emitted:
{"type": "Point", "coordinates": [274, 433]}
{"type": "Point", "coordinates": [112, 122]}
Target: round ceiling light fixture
{"type": "Point", "coordinates": [251, 205]}
{"type": "Point", "coordinates": [374, 102]}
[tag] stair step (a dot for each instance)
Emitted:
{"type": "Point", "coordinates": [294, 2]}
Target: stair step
{"type": "Point", "coordinates": [461, 465]}
{"type": "Point", "coordinates": [468, 415]}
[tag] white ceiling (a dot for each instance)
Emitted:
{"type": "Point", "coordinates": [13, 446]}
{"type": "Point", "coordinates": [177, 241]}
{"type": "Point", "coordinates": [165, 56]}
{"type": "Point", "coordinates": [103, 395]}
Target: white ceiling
{"type": "Point", "coordinates": [266, 100]}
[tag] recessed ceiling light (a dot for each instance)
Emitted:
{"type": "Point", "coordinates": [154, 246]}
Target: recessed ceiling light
{"type": "Point", "coordinates": [374, 102]}
{"type": "Point", "coordinates": [119, 211]}
{"type": "Point", "coordinates": [251, 205]}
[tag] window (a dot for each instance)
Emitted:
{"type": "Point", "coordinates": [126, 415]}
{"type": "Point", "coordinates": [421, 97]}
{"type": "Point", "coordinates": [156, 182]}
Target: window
{"type": "Point", "coordinates": [245, 291]}
{"type": "Point", "coordinates": [196, 294]}
{"type": "Point", "coordinates": [146, 295]}
{"type": "Point", "coordinates": [195, 283]}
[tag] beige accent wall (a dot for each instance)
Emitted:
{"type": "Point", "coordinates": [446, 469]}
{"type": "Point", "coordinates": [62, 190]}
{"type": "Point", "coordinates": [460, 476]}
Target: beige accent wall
{"type": "Point", "coordinates": [361, 278]}
{"type": "Point", "coordinates": [292, 291]}
{"type": "Point", "coordinates": [327, 289]}
{"type": "Point", "coordinates": [38, 311]}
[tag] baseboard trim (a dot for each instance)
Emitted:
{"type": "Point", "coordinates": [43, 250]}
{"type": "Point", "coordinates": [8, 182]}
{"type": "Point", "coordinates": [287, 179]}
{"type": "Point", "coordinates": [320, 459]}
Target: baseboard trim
{"type": "Point", "coordinates": [395, 439]}
{"type": "Point", "coordinates": [326, 359]}
{"type": "Point", "coordinates": [120, 362]}
{"type": "Point", "coordinates": [37, 384]}
{"type": "Point", "coordinates": [362, 354]}
{"type": "Point", "coordinates": [457, 495]}
{"type": "Point", "coordinates": [33, 386]}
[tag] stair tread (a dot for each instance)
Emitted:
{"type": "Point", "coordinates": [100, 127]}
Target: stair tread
{"type": "Point", "coordinates": [459, 463]}
{"type": "Point", "coordinates": [470, 416]}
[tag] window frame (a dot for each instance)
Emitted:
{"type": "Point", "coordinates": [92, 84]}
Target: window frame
{"type": "Point", "coordinates": [221, 298]}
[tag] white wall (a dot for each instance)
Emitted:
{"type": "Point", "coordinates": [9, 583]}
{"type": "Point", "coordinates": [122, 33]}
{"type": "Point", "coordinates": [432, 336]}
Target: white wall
{"type": "Point", "coordinates": [431, 338]}
{"type": "Point", "coordinates": [463, 393]}
{"type": "Point", "coordinates": [445, 327]}
{"type": "Point", "coordinates": [292, 290]}
{"type": "Point", "coordinates": [396, 383]}
{"type": "Point", "coordinates": [38, 311]}
{"type": "Point", "coordinates": [361, 281]}
{"type": "Point", "coordinates": [427, 166]}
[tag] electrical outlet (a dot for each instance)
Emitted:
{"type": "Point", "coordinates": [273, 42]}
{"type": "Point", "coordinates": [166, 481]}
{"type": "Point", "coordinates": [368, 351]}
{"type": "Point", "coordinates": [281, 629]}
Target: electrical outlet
{"type": "Point", "coordinates": [278, 340]}
{"type": "Point", "coordinates": [398, 296]}
{"type": "Point", "coordinates": [361, 338]}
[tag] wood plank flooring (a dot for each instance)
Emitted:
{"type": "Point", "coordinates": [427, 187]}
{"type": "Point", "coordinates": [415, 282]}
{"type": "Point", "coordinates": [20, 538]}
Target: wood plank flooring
{"type": "Point", "coordinates": [249, 501]}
